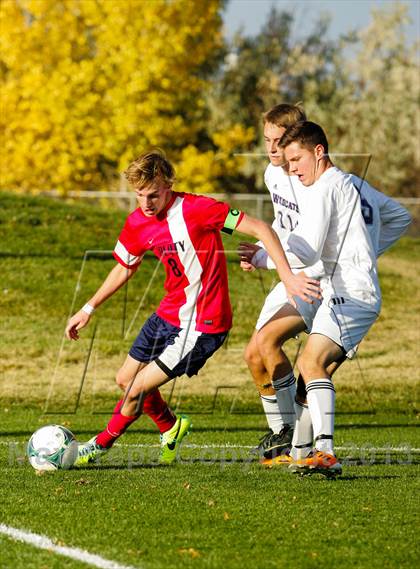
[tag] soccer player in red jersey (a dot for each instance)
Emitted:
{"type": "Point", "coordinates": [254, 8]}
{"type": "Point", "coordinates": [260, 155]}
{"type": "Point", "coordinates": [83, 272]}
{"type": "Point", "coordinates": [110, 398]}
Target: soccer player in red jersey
{"type": "Point", "coordinates": [194, 317]}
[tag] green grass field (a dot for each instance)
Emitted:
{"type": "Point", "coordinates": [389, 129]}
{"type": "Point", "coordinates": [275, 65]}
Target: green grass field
{"type": "Point", "coordinates": [216, 507]}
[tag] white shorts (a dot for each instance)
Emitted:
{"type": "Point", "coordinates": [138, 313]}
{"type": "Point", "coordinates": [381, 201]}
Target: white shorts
{"type": "Point", "coordinates": [344, 322]}
{"type": "Point", "coordinates": [277, 299]}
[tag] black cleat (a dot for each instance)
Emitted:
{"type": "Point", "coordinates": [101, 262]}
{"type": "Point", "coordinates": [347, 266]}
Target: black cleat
{"type": "Point", "coordinates": [273, 444]}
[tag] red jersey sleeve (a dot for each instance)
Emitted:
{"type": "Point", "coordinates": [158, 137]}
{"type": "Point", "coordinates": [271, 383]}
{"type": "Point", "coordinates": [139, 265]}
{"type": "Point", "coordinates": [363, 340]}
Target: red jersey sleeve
{"type": "Point", "coordinates": [128, 250]}
{"type": "Point", "coordinates": [213, 214]}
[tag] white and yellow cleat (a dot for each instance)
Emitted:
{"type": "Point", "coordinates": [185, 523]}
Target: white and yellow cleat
{"type": "Point", "coordinates": [89, 452]}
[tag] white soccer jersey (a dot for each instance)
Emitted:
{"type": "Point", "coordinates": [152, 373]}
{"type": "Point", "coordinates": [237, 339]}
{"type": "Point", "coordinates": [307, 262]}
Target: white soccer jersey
{"type": "Point", "coordinates": [291, 201]}
{"type": "Point", "coordinates": [335, 233]}
{"type": "Point", "coordinates": [386, 220]}
{"type": "Point", "coordinates": [288, 198]}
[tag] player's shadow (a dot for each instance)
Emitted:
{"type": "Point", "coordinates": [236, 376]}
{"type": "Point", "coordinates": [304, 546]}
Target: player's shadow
{"type": "Point", "coordinates": [381, 462]}
{"type": "Point", "coordinates": [365, 477]}
{"type": "Point", "coordinates": [98, 467]}
{"type": "Point", "coordinates": [346, 478]}
{"type": "Point", "coordinates": [152, 465]}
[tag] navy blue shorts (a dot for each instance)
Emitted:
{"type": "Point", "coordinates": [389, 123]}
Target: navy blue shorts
{"type": "Point", "coordinates": [175, 350]}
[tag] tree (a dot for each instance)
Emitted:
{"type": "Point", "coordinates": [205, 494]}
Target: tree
{"type": "Point", "coordinates": [363, 88]}
{"type": "Point", "coordinates": [87, 85]}
{"type": "Point", "coordinates": [262, 71]}
{"type": "Point", "coordinates": [374, 109]}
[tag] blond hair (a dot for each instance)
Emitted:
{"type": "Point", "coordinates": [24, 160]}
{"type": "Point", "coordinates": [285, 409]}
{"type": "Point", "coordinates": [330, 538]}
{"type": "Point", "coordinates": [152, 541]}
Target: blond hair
{"type": "Point", "coordinates": [148, 167]}
{"type": "Point", "coordinates": [284, 115]}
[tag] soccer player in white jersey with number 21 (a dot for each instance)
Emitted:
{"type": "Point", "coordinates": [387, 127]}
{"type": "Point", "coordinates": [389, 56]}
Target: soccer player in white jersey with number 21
{"type": "Point", "coordinates": [278, 321]}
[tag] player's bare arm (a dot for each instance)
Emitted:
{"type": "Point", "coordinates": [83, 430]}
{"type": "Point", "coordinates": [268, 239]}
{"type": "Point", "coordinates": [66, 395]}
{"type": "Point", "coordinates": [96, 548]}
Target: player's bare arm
{"type": "Point", "coordinates": [296, 285]}
{"type": "Point", "coordinates": [116, 278]}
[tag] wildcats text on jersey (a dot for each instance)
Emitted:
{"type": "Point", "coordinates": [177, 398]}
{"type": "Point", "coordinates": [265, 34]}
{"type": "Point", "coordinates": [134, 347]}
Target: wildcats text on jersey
{"type": "Point", "coordinates": [285, 203]}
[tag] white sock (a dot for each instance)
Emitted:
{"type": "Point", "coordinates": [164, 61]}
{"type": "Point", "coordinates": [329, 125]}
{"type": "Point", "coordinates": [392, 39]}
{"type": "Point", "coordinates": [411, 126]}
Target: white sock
{"type": "Point", "coordinates": [285, 388]}
{"type": "Point", "coordinates": [321, 403]}
{"type": "Point", "coordinates": [304, 434]}
{"type": "Point", "coordinates": [272, 413]}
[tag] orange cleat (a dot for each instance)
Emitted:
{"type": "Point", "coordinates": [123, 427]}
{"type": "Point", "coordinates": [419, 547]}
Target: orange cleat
{"type": "Point", "coordinates": [317, 462]}
{"type": "Point", "coordinates": [280, 460]}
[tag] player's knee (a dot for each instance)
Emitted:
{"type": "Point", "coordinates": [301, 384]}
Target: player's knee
{"type": "Point", "coordinates": [122, 380]}
{"type": "Point", "coordinates": [267, 343]}
{"type": "Point", "coordinates": [252, 356]}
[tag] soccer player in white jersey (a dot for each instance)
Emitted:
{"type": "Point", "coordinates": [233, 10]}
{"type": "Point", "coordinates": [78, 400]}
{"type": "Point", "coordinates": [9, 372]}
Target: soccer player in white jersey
{"type": "Point", "coordinates": [386, 221]}
{"type": "Point", "coordinates": [192, 320]}
{"type": "Point", "coordinates": [350, 287]}
{"type": "Point", "coordinates": [270, 367]}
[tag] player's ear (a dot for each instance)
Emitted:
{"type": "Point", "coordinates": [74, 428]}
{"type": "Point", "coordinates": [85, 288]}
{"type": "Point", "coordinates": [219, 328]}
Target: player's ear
{"type": "Point", "coordinates": [319, 151]}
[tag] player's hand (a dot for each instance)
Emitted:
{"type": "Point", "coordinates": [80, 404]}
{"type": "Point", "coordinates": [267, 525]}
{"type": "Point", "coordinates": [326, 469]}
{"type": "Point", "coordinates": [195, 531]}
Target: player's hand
{"type": "Point", "coordinates": [76, 322]}
{"type": "Point", "coordinates": [247, 267]}
{"type": "Point", "coordinates": [246, 251]}
{"type": "Point", "coordinates": [304, 287]}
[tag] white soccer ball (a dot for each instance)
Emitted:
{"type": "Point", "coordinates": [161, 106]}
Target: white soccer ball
{"type": "Point", "coordinates": [51, 448]}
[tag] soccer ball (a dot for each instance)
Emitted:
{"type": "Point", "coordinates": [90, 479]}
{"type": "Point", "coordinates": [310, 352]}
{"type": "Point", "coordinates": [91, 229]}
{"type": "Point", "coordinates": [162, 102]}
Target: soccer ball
{"type": "Point", "coordinates": [51, 448]}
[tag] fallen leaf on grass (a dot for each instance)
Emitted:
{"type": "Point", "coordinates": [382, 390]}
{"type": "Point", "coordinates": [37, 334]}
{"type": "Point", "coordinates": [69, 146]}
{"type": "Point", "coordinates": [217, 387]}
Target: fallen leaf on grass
{"type": "Point", "coordinates": [193, 553]}
{"type": "Point", "coordinates": [82, 481]}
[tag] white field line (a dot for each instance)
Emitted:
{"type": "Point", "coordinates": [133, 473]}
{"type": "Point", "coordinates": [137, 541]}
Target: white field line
{"type": "Point", "coordinates": [43, 542]}
{"type": "Point", "coordinates": [233, 446]}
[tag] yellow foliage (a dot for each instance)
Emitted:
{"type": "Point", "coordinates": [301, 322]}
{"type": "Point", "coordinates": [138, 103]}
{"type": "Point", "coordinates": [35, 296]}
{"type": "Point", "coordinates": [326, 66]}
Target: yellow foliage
{"type": "Point", "coordinates": [196, 170]}
{"type": "Point", "coordinates": [202, 172]}
{"type": "Point", "coordinates": [87, 85]}
{"type": "Point", "coordinates": [231, 143]}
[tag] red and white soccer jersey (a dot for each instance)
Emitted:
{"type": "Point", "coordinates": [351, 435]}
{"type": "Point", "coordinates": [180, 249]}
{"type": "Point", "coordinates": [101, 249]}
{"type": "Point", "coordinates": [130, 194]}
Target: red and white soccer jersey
{"type": "Point", "coordinates": [185, 236]}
